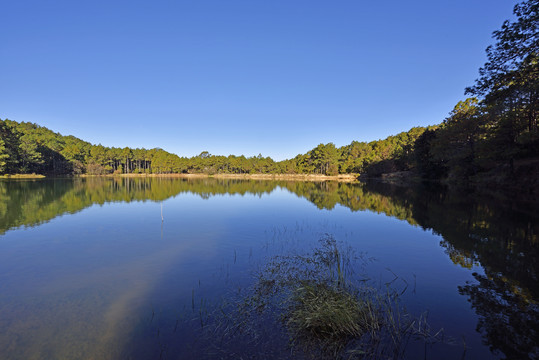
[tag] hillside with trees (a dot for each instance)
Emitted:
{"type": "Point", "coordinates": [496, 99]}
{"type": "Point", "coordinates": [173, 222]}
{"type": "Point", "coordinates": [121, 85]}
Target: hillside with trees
{"type": "Point", "coordinates": [491, 136]}
{"type": "Point", "coordinates": [490, 133]}
{"type": "Point", "coordinates": [30, 148]}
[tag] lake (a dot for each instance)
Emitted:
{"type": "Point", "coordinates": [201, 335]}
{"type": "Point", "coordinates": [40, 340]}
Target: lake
{"type": "Point", "coordinates": [170, 268]}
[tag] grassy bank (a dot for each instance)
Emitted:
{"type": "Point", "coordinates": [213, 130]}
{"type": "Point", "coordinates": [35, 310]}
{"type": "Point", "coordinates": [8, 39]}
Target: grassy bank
{"type": "Point", "coordinates": [22, 176]}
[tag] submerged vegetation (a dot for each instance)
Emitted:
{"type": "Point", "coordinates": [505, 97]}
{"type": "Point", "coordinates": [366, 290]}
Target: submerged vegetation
{"type": "Point", "coordinates": [325, 307]}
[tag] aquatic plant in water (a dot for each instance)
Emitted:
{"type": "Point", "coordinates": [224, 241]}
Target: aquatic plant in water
{"type": "Point", "coordinates": [313, 305]}
{"type": "Point", "coordinates": [329, 314]}
{"type": "Point", "coordinates": [330, 308]}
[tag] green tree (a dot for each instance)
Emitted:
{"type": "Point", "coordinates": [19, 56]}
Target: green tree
{"type": "Point", "coordinates": [509, 81]}
{"type": "Point", "coordinates": [325, 158]}
{"type": "Point", "coordinates": [8, 147]}
{"type": "Point", "coordinates": [457, 138]}
{"type": "Point", "coordinates": [31, 158]}
{"type": "Point", "coordinates": [4, 156]}
{"type": "Point", "coordinates": [127, 155]}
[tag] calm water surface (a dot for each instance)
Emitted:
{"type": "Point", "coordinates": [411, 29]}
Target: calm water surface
{"type": "Point", "coordinates": [89, 270]}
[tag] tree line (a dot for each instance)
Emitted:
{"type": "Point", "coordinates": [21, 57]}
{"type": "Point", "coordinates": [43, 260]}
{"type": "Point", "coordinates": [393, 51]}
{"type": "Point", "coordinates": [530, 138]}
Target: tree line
{"type": "Point", "coordinates": [30, 148]}
{"type": "Point", "coordinates": [487, 133]}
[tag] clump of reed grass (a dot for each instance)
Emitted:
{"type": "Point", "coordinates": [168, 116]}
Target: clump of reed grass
{"type": "Point", "coordinates": [326, 305]}
{"type": "Point", "coordinates": [331, 313]}
{"type": "Point", "coordinates": [330, 307]}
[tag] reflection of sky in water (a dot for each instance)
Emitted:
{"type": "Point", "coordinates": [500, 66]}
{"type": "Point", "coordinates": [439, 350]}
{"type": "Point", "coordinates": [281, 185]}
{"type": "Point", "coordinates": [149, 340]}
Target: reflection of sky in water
{"type": "Point", "coordinates": [80, 285]}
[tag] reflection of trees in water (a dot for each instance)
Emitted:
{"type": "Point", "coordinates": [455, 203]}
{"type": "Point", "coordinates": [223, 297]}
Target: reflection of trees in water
{"type": "Point", "coordinates": [33, 202]}
{"type": "Point", "coordinates": [500, 235]}
{"type": "Point", "coordinates": [509, 317]}
{"type": "Point", "coordinates": [29, 203]}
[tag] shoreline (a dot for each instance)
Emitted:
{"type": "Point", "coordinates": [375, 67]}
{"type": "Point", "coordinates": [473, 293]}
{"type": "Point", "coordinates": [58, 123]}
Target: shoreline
{"type": "Point", "coordinates": [22, 176]}
{"type": "Point", "coordinates": [299, 177]}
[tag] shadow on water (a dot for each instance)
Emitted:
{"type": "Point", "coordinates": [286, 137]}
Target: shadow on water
{"type": "Point", "coordinates": [497, 234]}
{"type": "Point", "coordinates": [501, 236]}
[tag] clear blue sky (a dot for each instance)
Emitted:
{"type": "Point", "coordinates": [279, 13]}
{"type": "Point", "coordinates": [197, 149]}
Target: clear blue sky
{"type": "Point", "coordinates": [275, 77]}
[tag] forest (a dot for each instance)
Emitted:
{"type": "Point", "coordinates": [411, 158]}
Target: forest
{"type": "Point", "coordinates": [491, 135]}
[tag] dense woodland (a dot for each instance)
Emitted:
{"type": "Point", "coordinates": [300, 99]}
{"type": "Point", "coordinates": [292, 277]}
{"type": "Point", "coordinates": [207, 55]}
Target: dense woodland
{"type": "Point", "coordinates": [30, 148]}
{"type": "Point", "coordinates": [491, 133]}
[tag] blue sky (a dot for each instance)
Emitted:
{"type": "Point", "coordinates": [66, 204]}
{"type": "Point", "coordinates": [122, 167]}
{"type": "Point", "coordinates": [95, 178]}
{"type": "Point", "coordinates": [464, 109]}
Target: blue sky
{"type": "Point", "coordinates": [240, 77]}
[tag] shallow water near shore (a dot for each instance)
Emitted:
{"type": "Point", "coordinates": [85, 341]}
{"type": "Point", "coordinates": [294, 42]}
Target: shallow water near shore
{"type": "Point", "coordinates": [138, 268]}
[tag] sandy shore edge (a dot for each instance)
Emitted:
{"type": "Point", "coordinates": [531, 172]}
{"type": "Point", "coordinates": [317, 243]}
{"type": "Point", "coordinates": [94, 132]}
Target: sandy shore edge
{"type": "Point", "coordinates": [296, 177]}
